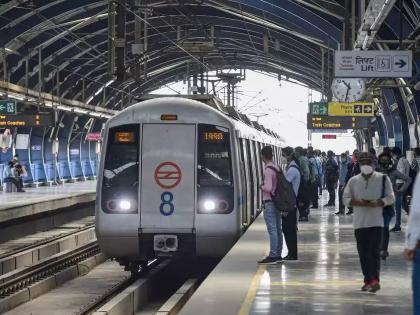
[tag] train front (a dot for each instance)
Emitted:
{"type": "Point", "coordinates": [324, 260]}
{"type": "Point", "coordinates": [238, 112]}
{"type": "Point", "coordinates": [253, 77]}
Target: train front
{"type": "Point", "coordinates": [166, 186]}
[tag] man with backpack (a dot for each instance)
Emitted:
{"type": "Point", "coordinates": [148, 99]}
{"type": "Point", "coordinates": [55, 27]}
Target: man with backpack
{"type": "Point", "coordinates": [272, 216]}
{"type": "Point", "coordinates": [331, 175]}
{"type": "Point", "coordinates": [293, 176]}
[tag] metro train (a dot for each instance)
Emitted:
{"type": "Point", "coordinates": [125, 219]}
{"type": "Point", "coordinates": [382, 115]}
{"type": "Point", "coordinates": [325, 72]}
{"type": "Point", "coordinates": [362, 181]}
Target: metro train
{"type": "Point", "coordinates": [178, 177]}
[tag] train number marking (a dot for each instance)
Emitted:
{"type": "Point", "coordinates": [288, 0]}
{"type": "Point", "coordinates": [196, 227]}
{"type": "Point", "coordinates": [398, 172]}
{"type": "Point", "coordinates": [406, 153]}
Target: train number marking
{"type": "Point", "coordinates": [167, 198]}
{"type": "Point", "coordinates": [168, 175]}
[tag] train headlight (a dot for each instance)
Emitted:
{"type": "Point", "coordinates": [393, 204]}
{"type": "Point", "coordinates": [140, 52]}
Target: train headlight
{"type": "Point", "coordinates": [124, 205]}
{"type": "Point", "coordinates": [209, 205]}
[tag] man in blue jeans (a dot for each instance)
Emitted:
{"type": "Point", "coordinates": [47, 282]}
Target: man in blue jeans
{"type": "Point", "coordinates": [412, 245]}
{"type": "Point", "coordinates": [272, 216]}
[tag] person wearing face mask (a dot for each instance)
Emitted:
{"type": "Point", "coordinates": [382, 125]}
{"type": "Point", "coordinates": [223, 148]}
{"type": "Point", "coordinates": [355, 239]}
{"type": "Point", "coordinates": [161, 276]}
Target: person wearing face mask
{"type": "Point", "coordinates": [386, 167]}
{"type": "Point", "coordinates": [403, 166]}
{"type": "Point", "coordinates": [368, 193]}
{"type": "Point", "coordinates": [344, 168]}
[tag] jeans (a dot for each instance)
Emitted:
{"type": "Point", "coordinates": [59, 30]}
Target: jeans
{"type": "Point", "coordinates": [398, 205]}
{"type": "Point", "coordinates": [314, 191]}
{"type": "Point", "coordinates": [416, 283]}
{"type": "Point", "coordinates": [368, 244]}
{"type": "Point", "coordinates": [385, 232]}
{"type": "Point", "coordinates": [272, 219]}
{"type": "Point", "coordinates": [341, 206]}
{"type": "Point", "coordinates": [331, 191]}
{"type": "Point", "coordinates": [290, 233]}
{"type": "Point", "coordinates": [16, 181]}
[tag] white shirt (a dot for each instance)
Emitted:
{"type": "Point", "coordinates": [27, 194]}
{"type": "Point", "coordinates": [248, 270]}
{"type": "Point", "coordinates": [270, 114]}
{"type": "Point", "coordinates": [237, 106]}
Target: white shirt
{"type": "Point", "coordinates": [413, 228]}
{"type": "Point", "coordinates": [360, 188]}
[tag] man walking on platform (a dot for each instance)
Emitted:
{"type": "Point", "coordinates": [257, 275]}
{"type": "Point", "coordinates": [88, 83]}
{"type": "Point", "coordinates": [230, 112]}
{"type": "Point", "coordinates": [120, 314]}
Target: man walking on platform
{"type": "Point", "coordinates": [289, 223]}
{"type": "Point", "coordinates": [331, 175]}
{"type": "Point", "coordinates": [272, 216]}
{"type": "Point", "coordinates": [344, 168]}
{"type": "Point", "coordinates": [368, 193]}
{"type": "Point", "coordinates": [412, 244]}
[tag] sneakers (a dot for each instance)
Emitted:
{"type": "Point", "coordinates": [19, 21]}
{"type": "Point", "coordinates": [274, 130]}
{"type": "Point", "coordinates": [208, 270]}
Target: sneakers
{"type": "Point", "coordinates": [269, 260]}
{"type": "Point", "coordinates": [396, 229]}
{"type": "Point", "coordinates": [349, 212]}
{"type": "Point", "coordinates": [339, 212]}
{"type": "Point", "coordinates": [329, 205]}
{"type": "Point", "coordinates": [290, 258]}
{"type": "Point", "coordinates": [374, 286]}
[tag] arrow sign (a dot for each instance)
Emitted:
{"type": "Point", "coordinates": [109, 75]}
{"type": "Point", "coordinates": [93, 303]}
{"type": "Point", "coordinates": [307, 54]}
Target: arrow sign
{"type": "Point", "coordinates": [8, 107]}
{"type": "Point", "coordinates": [401, 63]}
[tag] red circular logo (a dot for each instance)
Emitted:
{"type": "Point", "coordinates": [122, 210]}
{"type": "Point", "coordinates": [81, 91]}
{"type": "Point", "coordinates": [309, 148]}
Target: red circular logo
{"type": "Point", "coordinates": [168, 175]}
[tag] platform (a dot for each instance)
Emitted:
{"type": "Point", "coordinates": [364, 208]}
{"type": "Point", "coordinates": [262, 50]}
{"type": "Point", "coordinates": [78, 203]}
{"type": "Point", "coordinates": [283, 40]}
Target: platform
{"type": "Point", "coordinates": [41, 199]}
{"type": "Point", "coordinates": [326, 279]}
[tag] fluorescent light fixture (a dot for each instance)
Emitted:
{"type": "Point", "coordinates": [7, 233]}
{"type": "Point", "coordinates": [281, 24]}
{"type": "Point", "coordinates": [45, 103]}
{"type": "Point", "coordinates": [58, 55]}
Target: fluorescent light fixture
{"type": "Point", "coordinates": [80, 110]}
{"type": "Point", "coordinates": [17, 97]}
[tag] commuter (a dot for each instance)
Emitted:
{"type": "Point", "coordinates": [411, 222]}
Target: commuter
{"type": "Point", "coordinates": [386, 167]}
{"type": "Point", "coordinates": [289, 223]}
{"type": "Point", "coordinates": [10, 175]}
{"type": "Point", "coordinates": [412, 244]}
{"type": "Point", "coordinates": [354, 169]}
{"type": "Point", "coordinates": [344, 168]}
{"type": "Point", "coordinates": [315, 176]}
{"type": "Point", "coordinates": [403, 166]}
{"type": "Point", "coordinates": [272, 216]}
{"type": "Point", "coordinates": [415, 164]}
{"type": "Point", "coordinates": [303, 163]}
{"type": "Point", "coordinates": [321, 174]}
{"type": "Point", "coordinates": [331, 177]}
{"type": "Point", "coordinates": [324, 161]}
{"type": "Point", "coordinates": [368, 195]}
{"type": "Point", "coordinates": [372, 153]}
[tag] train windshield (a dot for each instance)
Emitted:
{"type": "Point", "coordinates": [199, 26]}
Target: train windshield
{"type": "Point", "coordinates": [122, 157]}
{"type": "Point", "coordinates": [214, 160]}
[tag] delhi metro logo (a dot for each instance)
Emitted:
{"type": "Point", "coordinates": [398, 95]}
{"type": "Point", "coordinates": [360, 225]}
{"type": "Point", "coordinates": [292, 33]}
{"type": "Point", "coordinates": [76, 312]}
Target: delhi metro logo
{"type": "Point", "coordinates": [168, 175]}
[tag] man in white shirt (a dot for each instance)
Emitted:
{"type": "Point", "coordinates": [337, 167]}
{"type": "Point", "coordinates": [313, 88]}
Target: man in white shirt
{"type": "Point", "coordinates": [368, 193]}
{"type": "Point", "coordinates": [403, 166]}
{"type": "Point", "coordinates": [412, 244]}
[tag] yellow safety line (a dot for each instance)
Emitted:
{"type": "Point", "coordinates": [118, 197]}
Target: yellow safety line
{"type": "Point", "coordinates": [252, 292]}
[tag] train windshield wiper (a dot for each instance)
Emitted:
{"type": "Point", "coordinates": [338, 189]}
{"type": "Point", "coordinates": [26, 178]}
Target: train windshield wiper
{"type": "Point", "coordinates": [110, 174]}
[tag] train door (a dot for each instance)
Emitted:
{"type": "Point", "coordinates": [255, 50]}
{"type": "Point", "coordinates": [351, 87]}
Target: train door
{"type": "Point", "coordinates": [259, 169]}
{"type": "Point", "coordinates": [245, 184]}
{"type": "Point", "coordinates": [168, 178]}
{"type": "Point", "coordinates": [252, 162]}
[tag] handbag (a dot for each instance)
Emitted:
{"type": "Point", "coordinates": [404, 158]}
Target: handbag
{"type": "Point", "coordinates": [387, 210]}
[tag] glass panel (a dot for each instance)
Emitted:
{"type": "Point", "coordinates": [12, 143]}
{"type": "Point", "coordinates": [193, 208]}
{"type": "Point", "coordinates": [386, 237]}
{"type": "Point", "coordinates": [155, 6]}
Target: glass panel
{"type": "Point", "coordinates": [121, 170]}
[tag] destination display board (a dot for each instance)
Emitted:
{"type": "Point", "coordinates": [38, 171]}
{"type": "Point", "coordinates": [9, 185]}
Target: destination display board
{"type": "Point", "coordinates": [317, 122]}
{"type": "Point", "coordinates": [363, 109]}
{"type": "Point", "coordinates": [373, 63]}
{"type": "Point", "coordinates": [26, 120]}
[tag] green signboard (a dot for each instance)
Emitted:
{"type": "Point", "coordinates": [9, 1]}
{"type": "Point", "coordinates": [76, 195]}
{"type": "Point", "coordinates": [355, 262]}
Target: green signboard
{"type": "Point", "coordinates": [8, 107]}
{"type": "Point", "coordinates": [319, 108]}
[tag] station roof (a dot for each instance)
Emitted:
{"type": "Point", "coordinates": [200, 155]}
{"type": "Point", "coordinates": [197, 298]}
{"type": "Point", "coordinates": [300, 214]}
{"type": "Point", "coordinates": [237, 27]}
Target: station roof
{"type": "Point", "coordinates": [293, 38]}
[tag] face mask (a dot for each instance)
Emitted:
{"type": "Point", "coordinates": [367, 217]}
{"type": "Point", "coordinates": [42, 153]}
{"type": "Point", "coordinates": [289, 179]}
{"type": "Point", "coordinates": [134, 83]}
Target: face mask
{"type": "Point", "coordinates": [366, 169]}
{"type": "Point", "coordinates": [394, 157]}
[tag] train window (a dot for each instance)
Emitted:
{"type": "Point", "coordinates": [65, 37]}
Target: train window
{"type": "Point", "coordinates": [214, 162]}
{"type": "Point", "coordinates": [121, 170]}
{"type": "Point", "coordinates": [214, 170]}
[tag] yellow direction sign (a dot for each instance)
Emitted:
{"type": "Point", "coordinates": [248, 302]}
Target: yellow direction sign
{"type": "Point", "coordinates": [350, 109]}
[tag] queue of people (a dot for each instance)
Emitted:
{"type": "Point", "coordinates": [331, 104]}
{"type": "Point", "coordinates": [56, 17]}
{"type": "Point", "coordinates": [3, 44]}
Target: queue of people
{"type": "Point", "coordinates": [14, 173]}
{"type": "Point", "coordinates": [373, 188]}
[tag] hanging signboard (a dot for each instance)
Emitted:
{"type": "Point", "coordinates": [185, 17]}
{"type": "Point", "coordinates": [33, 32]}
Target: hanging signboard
{"type": "Point", "coordinates": [336, 122]}
{"type": "Point", "coordinates": [26, 120]}
{"type": "Point", "coordinates": [319, 108]}
{"type": "Point", "coordinates": [8, 107]}
{"type": "Point", "coordinates": [373, 63]}
{"type": "Point", "coordinates": [93, 136]}
{"type": "Point", "coordinates": [363, 109]}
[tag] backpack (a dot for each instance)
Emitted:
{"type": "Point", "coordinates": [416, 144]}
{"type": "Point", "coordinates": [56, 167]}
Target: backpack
{"type": "Point", "coordinates": [284, 198]}
{"type": "Point", "coordinates": [304, 192]}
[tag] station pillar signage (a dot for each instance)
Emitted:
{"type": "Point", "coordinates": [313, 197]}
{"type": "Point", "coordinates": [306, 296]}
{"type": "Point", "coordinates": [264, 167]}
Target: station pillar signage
{"type": "Point", "coordinates": [373, 63]}
{"type": "Point", "coordinates": [8, 107]}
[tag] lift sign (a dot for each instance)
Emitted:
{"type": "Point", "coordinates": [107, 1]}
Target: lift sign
{"type": "Point", "coordinates": [168, 175]}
